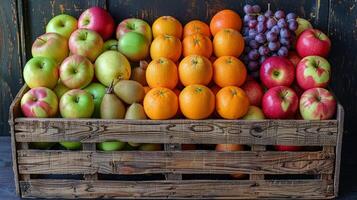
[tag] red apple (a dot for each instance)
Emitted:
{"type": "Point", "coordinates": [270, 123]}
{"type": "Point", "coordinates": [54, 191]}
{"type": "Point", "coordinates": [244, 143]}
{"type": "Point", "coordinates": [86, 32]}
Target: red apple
{"type": "Point", "coordinates": [39, 102]}
{"type": "Point", "coordinates": [313, 71]}
{"type": "Point", "coordinates": [277, 71]}
{"type": "Point", "coordinates": [288, 148]}
{"type": "Point", "coordinates": [294, 58]}
{"type": "Point", "coordinates": [313, 42]}
{"type": "Point", "coordinates": [76, 72]}
{"type": "Point", "coordinates": [254, 92]}
{"type": "Point", "coordinates": [317, 104]}
{"type": "Point", "coordinates": [280, 102]}
{"type": "Point", "coordinates": [99, 20]}
{"type": "Point", "coordinates": [134, 25]}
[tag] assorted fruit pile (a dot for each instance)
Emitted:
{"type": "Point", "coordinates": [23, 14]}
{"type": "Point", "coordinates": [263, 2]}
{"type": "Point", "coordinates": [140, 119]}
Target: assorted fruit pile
{"type": "Point", "coordinates": [167, 70]}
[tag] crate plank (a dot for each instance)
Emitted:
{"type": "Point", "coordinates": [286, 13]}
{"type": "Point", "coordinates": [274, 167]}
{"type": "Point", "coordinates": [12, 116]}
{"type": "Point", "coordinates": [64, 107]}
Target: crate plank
{"type": "Point", "coordinates": [263, 132]}
{"type": "Point", "coordinates": [188, 162]}
{"type": "Point", "coordinates": [205, 189]}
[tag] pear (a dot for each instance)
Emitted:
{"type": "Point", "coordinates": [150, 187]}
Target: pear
{"type": "Point", "coordinates": [111, 106]}
{"type": "Point", "coordinates": [139, 73]}
{"type": "Point", "coordinates": [135, 111]}
{"type": "Point", "coordinates": [129, 91]}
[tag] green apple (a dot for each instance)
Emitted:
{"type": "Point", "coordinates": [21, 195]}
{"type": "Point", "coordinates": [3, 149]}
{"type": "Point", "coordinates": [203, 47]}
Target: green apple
{"type": "Point", "coordinates": [303, 24]}
{"type": "Point", "coordinates": [76, 103]}
{"type": "Point", "coordinates": [112, 65]}
{"type": "Point", "coordinates": [60, 89]}
{"type": "Point", "coordinates": [86, 43]}
{"type": "Point", "coordinates": [110, 45]}
{"type": "Point", "coordinates": [50, 45]}
{"type": "Point", "coordinates": [41, 145]}
{"type": "Point", "coordinates": [254, 113]}
{"type": "Point", "coordinates": [71, 145]}
{"type": "Point", "coordinates": [150, 147]}
{"type": "Point", "coordinates": [113, 145]}
{"type": "Point", "coordinates": [97, 90]}
{"type": "Point", "coordinates": [76, 72]}
{"type": "Point", "coordinates": [41, 72]}
{"type": "Point", "coordinates": [62, 24]}
{"type": "Point", "coordinates": [134, 46]}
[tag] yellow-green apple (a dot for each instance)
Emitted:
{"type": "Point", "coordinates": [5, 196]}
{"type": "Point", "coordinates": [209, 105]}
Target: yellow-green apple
{"type": "Point", "coordinates": [294, 58]}
{"type": "Point", "coordinates": [62, 24]}
{"type": "Point", "coordinates": [71, 145]}
{"type": "Point", "coordinates": [113, 145]}
{"type": "Point", "coordinates": [99, 20]}
{"type": "Point", "coordinates": [277, 71]}
{"type": "Point", "coordinates": [41, 72]}
{"type": "Point", "coordinates": [76, 72]}
{"type": "Point", "coordinates": [280, 102]}
{"type": "Point", "coordinates": [134, 25]}
{"type": "Point", "coordinates": [313, 42]}
{"type": "Point", "coordinates": [254, 113]}
{"type": "Point", "coordinates": [288, 148]}
{"type": "Point", "coordinates": [97, 91]}
{"type": "Point", "coordinates": [317, 104]}
{"type": "Point", "coordinates": [150, 147]}
{"type": "Point", "coordinates": [112, 65]}
{"type": "Point", "coordinates": [110, 45]}
{"type": "Point", "coordinates": [39, 102]}
{"type": "Point", "coordinates": [60, 89]}
{"type": "Point", "coordinates": [86, 43]}
{"type": "Point", "coordinates": [303, 24]}
{"type": "Point", "coordinates": [50, 45]}
{"type": "Point", "coordinates": [254, 92]}
{"type": "Point", "coordinates": [313, 71]}
{"type": "Point", "coordinates": [134, 46]}
{"type": "Point", "coordinates": [76, 103]}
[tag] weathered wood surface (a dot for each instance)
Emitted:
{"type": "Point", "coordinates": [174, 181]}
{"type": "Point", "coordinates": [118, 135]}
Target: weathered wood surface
{"type": "Point", "coordinates": [186, 162]}
{"type": "Point", "coordinates": [205, 189]}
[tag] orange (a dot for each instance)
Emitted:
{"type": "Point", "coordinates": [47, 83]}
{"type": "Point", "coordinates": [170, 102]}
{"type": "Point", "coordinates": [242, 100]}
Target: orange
{"type": "Point", "coordinates": [225, 19]}
{"type": "Point", "coordinates": [166, 46]}
{"type": "Point", "coordinates": [160, 103]}
{"type": "Point", "coordinates": [197, 44]}
{"type": "Point", "coordinates": [229, 71]}
{"type": "Point", "coordinates": [232, 102]}
{"type": "Point", "coordinates": [147, 89]}
{"type": "Point", "coordinates": [228, 42]}
{"type": "Point", "coordinates": [195, 69]}
{"type": "Point", "coordinates": [196, 102]}
{"type": "Point", "coordinates": [215, 89]}
{"type": "Point", "coordinates": [196, 26]}
{"type": "Point", "coordinates": [229, 148]}
{"type": "Point", "coordinates": [162, 72]}
{"type": "Point", "coordinates": [167, 25]}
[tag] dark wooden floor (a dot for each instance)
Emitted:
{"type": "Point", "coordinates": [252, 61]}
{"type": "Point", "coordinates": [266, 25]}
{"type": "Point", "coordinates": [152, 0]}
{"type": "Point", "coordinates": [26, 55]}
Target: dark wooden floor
{"type": "Point", "coordinates": [7, 189]}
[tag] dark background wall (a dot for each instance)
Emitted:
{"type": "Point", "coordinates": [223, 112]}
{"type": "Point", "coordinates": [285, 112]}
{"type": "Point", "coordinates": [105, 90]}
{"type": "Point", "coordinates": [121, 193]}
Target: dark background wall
{"type": "Point", "coordinates": [21, 21]}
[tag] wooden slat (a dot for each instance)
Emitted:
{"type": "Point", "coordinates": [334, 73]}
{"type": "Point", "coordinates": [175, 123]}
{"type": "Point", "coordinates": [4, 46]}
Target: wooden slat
{"type": "Point", "coordinates": [169, 148]}
{"type": "Point", "coordinates": [188, 162]}
{"type": "Point", "coordinates": [90, 147]}
{"type": "Point", "coordinates": [205, 189]}
{"type": "Point", "coordinates": [340, 118]}
{"type": "Point", "coordinates": [257, 176]}
{"type": "Point", "coordinates": [263, 132]}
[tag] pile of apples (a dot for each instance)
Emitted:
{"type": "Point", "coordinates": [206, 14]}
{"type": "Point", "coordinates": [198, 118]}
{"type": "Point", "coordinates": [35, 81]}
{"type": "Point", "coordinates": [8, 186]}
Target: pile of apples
{"type": "Point", "coordinates": [78, 71]}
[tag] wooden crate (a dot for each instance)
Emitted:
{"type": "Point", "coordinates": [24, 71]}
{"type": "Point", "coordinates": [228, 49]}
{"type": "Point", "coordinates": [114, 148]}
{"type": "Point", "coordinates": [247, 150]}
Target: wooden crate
{"type": "Point", "coordinates": [184, 174]}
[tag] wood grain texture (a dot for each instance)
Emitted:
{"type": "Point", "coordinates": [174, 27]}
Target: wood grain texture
{"type": "Point", "coordinates": [186, 162]}
{"type": "Point", "coordinates": [205, 189]}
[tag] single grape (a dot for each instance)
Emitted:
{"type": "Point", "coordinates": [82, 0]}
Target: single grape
{"type": "Point", "coordinates": [260, 38]}
{"type": "Point", "coordinates": [271, 36]}
{"type": "Point", "coordinates": [261, 18]}
{"type": "Point", "coordinates": [275, 29]}
{"type": "Point", "coordinates": [291, 16]}
{"type": "Point", "coordinates": [252, 33]}
{"type": "Point", "coordinates": [284, 41]}
{"type": "Point", "coordinates": [285, 33]}
{"type": "Point", "coordinates": [247, 18]}
{"type": "Point", "coordinates": [282, 23]}
{"type": "Point", "coordinates": [261, 27]}
{"type": "Point", "coordinates": [279, 14]}
{"type": "Point", "coordinates": [253, 54]}
{"type": "Point", "coordinates": [256, 9]}
{"type": "Point", "coordinates": [271, 22]}
{"type": "Point", "coordinates": [268, 13]}
{"type": "Point", "coordinates": [293, 25]}
{"type": "Point", "coordinates": [273, 46]}
{"type": "Point", "coordinates": [253, 66]}
{"type": "Point", "coordinates": [283, 51]}
{"type": "Point", "coordinates": [252, 23]}
{"type": "Point", "coordinates": [263, 50]}
{"type": "Point", "coordinates": [254, 44]}
{"type": "Point", "coordinates": [248, 9]}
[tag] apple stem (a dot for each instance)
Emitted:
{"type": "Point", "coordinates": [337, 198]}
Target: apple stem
{"type": "Point", "coordinates": [110, 88]}
{"type": "Point", "coordinates": [41, 39]}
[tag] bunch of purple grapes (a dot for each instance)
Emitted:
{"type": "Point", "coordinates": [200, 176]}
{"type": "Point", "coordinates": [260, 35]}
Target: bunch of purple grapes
{"type": "Point", "coordinates": [266, 34]}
